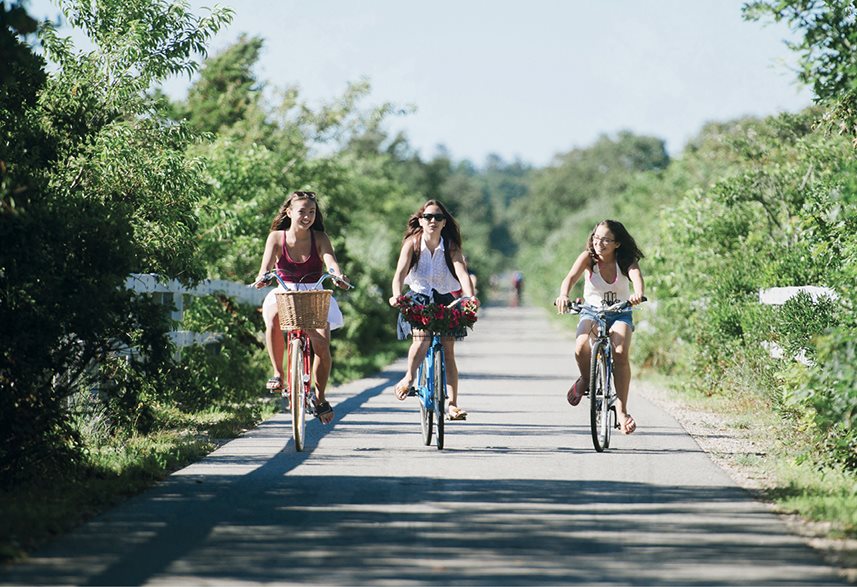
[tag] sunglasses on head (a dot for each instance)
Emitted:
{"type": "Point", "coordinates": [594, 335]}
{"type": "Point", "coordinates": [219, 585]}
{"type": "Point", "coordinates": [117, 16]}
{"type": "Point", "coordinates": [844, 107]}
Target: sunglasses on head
{"type": "Point", "coordinates": [437, 217]}
{"type": "Point", "coordinates": [304, 195]}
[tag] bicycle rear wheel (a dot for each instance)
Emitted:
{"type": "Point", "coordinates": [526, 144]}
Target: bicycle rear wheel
{"type": "Point", "coordinates": [439, 394]}
{"type": "Point", "coordinates": [599, 415]}
{"type": "Point", "coordinates": [296, 388]}
{"type": "Point", "coordinates": [426, 415]}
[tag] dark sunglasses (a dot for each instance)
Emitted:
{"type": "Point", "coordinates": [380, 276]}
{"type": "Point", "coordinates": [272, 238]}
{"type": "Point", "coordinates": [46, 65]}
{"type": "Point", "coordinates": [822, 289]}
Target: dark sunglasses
{"type": "Point", "coordinates": [437, 217]}
{"type": "Point", "coordinates": [304, 195]}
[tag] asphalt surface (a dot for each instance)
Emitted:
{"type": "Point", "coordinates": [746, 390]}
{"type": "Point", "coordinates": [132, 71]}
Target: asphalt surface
{"type": "Point", "coordinates": [518, 496]}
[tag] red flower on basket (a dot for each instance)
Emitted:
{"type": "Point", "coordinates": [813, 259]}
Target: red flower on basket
{"type": "Point", "coordinates": [438, 318]}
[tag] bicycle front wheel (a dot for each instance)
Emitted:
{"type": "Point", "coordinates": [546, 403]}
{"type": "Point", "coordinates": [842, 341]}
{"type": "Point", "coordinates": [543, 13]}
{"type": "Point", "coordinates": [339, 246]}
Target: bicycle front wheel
{"type": "Point", "coordinates": [599, 392]}
{"type": "Point", "coordinates": [439, 394]}
{"type": "Point", "coordinates": [296, 388]}
{"type": "Point", "coordinates": [426, 414]}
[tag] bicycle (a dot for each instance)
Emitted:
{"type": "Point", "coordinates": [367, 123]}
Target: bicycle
{"type": "Point", "coordinates": [300, 310]}
{"type": "Point", "coordinates": [431, 385]}
{"type": "Point", "coordinates": [602, 391]}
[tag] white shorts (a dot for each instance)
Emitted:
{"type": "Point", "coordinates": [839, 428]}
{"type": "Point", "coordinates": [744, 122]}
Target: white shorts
{"type": "Point", "coordinates": [334, 314]}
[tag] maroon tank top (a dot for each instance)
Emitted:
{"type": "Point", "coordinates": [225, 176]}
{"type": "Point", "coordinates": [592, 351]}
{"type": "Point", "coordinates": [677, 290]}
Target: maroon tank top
{"type": "Point", "coordinates": [309, 271]}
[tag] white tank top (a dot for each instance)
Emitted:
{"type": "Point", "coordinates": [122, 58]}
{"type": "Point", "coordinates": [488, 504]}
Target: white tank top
{"type": "Point", "coordinates": [596, 290]}
{"type": "Point", "coordinates": [431, 272]}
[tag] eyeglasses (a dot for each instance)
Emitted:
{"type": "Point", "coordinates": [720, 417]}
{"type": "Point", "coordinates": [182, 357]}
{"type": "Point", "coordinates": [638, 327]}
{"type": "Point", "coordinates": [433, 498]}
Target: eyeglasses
{"type": "Point", "coordinates": [304, 195]}
{"type": "Point", "coordinates": [437, 217]}
{"type": "Point", "coordinates": [603, 241]}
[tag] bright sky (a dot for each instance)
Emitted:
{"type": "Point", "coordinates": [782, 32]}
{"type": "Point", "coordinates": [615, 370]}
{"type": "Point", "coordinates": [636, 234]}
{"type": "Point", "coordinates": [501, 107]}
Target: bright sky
{"type": "Point", "coordinates": [523, 78]}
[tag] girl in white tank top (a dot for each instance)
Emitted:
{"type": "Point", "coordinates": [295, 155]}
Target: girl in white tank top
{"type": "Point", "coordinates": [610, 266]}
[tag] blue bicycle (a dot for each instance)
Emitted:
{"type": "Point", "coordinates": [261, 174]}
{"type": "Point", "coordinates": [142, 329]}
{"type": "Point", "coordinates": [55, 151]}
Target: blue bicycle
{"type": "Point", "coordinates": [431, 391]}
{"type": "Point", "coordinates": [430, 388]}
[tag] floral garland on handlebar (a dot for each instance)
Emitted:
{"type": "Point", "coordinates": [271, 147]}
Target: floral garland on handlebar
{"type": "Point", "coordinates": [438, 318]}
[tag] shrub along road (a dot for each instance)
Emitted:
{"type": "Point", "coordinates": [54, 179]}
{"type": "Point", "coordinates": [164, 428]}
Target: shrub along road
{"type": "Point", "coordinates": [518, 496]}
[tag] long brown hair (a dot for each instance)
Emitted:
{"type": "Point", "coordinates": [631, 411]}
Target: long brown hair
{"type": "Point", "coordinates": [450, 234]}
{"type": "Point", "coordinates": [282, 220]}
{"type": "Point", "coordinates": [627, 252]}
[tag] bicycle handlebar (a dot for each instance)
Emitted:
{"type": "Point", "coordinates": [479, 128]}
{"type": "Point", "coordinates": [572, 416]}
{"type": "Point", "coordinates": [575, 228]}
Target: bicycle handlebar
{"type": "Point", "coordinates": [454, 302]}
{"type": "Point", "coordinates": [575, 307]}
{"type": "Point", "coordinates": [269, 276]}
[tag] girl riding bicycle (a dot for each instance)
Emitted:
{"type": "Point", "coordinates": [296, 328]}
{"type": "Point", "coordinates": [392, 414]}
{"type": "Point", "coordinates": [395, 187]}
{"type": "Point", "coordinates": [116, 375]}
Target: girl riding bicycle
{"type": "Point", "coordinates": [432, 264]}
{"type": "Point", "coordinates": [609, 264]}
{"type": "Point", "coordinates": [297, 245]}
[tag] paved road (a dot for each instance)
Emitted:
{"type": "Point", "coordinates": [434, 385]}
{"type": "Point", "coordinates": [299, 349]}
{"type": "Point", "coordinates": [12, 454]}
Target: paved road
{"type": "Point", "coordinates": [517, 497]}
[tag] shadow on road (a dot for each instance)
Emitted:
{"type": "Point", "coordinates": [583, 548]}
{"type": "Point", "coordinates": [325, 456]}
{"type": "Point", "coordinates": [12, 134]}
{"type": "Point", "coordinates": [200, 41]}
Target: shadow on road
{"type": "Point", "coordinates": [257, 535]}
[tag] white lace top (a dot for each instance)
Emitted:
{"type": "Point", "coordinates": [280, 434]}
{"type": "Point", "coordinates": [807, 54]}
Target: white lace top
{"type": "Point", "coordinates": [596, 290]}
{"type": "Point", "coordinates": [431, 272]}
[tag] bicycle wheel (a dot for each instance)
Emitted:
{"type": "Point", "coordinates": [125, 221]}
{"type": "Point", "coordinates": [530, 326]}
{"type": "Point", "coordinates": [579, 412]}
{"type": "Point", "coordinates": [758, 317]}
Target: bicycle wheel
{"type": "Point", "coordinates": [439, 394]}
{"type": "Point", "coordinates": [296, 388]}
{"type": "Point", "coordinates": [426, 414]}
{"type": "Point", "coordinates": [598, 393]}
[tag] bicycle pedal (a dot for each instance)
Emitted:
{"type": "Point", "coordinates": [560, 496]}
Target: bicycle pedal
{"type": "Point", "coordinates": [412, 392]}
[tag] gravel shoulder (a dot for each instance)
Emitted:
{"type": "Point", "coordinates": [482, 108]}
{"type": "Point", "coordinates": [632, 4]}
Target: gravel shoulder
{"type": "Point", "coordinates": [735, 449]}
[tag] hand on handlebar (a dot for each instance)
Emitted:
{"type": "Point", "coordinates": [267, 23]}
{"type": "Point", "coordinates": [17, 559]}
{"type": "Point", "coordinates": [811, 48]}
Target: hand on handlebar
{"type": "Point", "coordinates": [464, 299]}
{"type": "Point", "coordinates": [263, 280]}
{"type": "Point", "coordinates": [340, 280]}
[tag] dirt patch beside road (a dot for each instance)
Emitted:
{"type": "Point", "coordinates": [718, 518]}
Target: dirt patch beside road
{"type": "Point", "coordinates": [739, 450]}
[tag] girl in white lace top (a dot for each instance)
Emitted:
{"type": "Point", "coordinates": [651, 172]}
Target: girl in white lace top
{"type": "Point", "coordinates": [432, 264]}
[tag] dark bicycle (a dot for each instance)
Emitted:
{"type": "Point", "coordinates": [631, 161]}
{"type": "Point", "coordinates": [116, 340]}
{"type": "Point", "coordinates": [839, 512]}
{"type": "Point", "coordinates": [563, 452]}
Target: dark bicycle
{"type": "Point", "coordinates": [602, 391]}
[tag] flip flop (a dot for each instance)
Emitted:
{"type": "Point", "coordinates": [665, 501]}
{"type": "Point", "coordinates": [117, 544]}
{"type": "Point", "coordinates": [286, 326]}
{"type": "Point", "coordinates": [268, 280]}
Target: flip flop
{"type": "Point", "coordinates": [576, 391]}
{"type": "Point", "coordinates": [402, 390]}
{"type": "Point", "coordinates": [629, 425]}
{"type": "Point", "coordinates": [455, 413]}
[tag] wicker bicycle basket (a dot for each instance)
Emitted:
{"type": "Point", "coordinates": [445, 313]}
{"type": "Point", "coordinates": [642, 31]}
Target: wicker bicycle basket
{"type": "Point", "coordinates": [303, 309]}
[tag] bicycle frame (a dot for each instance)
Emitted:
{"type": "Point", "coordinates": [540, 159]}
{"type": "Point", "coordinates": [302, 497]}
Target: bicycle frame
{"type": "Point", "coordinates": [299, 385]}
{"type": "Point", "coordinates": [602, 391]}
{"type": "Point", "coordinates": [602, 416]}
{"type": "Point", "coordinates": [431, 390]}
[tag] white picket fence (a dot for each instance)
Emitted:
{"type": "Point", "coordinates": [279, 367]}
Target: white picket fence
{"type": "Point", "coordinates": [173, 293]}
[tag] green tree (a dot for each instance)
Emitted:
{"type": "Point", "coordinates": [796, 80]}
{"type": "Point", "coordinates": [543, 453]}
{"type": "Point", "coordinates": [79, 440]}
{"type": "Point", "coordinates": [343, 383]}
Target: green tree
{"type": "Point", "coordinates": [828, 59]}
{"type": "Point", "coordinates": [95, 186]}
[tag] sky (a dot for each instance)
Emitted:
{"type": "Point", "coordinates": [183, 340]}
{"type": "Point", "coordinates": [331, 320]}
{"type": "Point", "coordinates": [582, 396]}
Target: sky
{"type": "Point", "coordinates": [522, 79]}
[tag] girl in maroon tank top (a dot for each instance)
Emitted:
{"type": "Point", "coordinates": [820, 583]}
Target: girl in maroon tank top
{"type": "Point", "coordinates": [308, 271]}
{"type": "Point", "coordinates": [297, 232]}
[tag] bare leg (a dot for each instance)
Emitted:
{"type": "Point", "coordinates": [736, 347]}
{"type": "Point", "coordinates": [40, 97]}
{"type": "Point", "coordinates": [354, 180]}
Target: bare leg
{"type": "Point", "coordinates": [620, 335]}
{"type": "Point", "coordinates": [451, 369]}
{"type": "Point", "coordinates": [583, 350]}
{"type": "Point", "coordinates": [321, 361]}
{"type": "Point", "coordinates": [417, 352]}
{"type": "Point", "coordinates": [274, 340]}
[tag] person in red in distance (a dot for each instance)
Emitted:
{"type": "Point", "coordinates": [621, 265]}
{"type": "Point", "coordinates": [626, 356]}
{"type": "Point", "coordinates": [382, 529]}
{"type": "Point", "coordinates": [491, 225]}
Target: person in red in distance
{"type": "Point", "coordinates": [431, 263]}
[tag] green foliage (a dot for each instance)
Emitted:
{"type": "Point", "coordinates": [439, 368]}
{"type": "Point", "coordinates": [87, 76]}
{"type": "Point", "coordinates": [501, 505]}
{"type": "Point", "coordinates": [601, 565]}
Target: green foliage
{"type": "Point", "coordinates": [224, 372]}
{"type": "Point", "coordinates": [828, 61]}
{"type": "Point", "coordinates": [779, 212]}
{"type": "Point", "coordinates": [95, 186]}
{"type": "Point", "coordinates": [597, 174]}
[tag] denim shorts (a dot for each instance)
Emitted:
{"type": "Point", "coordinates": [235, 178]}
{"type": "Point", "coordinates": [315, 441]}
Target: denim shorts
{"type": "Point", "coordinates": [625, 316]}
